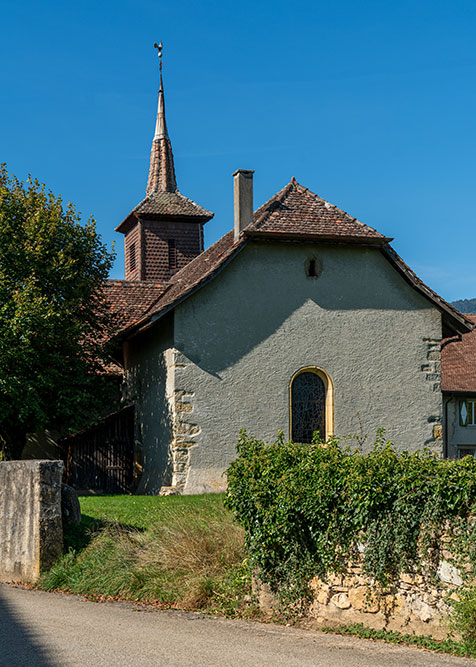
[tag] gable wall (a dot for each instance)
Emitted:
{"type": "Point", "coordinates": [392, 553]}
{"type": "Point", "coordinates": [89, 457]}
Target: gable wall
{"type": "Point", "coordinates": [240, 339]}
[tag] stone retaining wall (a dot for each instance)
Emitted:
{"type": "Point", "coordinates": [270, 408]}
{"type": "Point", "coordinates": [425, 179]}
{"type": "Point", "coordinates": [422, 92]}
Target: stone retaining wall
{"type": "Point", "coordinates": [415, 605]}
{"type": "Point", "coordinates": [31, 534]}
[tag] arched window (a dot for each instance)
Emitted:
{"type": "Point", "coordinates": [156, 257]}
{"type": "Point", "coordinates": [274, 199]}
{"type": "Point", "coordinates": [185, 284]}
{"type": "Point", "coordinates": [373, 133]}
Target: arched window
{"type": "Point", "coordinates": [311, 405]}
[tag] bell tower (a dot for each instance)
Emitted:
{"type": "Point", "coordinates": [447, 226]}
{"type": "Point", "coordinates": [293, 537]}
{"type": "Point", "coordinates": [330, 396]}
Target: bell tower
{"type": "Point", "coordinates": [165, 230]}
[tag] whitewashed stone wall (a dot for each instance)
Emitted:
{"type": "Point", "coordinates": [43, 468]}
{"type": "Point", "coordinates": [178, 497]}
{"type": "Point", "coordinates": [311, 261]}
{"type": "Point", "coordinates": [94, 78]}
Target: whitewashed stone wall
{"type": "Point", "coordinates": [243, 336]}
{"type": "Point", "coordinates": [224, 359]}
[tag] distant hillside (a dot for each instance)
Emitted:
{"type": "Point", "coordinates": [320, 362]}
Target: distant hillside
{"type": "Point", "coordinates": [465, 305]}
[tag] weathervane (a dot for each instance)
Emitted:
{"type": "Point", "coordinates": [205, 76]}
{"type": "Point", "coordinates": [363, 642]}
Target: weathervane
{"type": "Point", "coordinates": [159, 48]}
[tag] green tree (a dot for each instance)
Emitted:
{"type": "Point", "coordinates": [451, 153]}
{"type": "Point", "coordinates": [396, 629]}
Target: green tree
{"type": "Point", "coordinates": [54, 320]}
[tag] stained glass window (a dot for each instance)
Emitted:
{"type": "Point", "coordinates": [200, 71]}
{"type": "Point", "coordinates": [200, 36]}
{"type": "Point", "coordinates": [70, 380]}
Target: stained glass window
{"type": "Point", "coordinates": [308, 405]}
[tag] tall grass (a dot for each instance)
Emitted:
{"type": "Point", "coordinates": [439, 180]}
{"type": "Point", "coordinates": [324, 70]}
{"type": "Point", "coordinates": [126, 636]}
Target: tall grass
{"type": "Point", "coordinates": [188, 555]}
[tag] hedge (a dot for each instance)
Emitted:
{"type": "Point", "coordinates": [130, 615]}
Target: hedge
{"type": "Point", "coordinates": [307, 508]}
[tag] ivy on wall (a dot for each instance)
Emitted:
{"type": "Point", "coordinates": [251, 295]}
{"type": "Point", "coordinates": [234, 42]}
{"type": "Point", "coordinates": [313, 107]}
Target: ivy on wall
{"type": "Point", "coordinates": [307, 509]}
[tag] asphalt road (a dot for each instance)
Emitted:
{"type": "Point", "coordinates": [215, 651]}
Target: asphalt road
{"type": "Point", "coordinates": [50, 630]}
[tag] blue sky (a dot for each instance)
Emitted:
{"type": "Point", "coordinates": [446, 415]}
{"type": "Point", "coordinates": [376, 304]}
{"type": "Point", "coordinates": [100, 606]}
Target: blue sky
{"type": "Point", "coordinates": [370, 104]}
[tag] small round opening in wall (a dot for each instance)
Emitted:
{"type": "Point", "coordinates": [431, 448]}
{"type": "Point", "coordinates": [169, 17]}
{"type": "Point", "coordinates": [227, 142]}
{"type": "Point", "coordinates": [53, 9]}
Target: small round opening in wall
{"type": "Point", "coordinates": [313, 267]}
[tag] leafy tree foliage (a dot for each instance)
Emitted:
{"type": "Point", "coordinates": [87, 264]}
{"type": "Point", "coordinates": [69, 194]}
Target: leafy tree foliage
{"type": "Point", "coordinates": [53, 317]}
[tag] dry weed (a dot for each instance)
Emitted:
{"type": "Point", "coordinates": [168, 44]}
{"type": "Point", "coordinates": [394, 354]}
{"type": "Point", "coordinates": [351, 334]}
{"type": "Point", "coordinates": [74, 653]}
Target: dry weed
{"type": "Point", "coordinates": [191, 555]}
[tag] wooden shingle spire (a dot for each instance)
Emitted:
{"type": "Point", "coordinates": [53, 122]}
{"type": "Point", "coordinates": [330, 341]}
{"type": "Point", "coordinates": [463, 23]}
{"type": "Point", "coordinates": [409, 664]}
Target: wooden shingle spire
{"type": "Point", "coordinates": [162, 170]}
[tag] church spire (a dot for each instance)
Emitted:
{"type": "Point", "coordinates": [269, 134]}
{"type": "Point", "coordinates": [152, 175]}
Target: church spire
{"type": "Point", "coordinates": [162, 170]}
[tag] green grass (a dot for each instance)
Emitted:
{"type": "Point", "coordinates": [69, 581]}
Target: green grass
{"type": "Point", "coordinates": [183, 552]}
{"type": "Point", "coordinates": [450, 646]}
{"type": "Point", "coordinates": [145, 511]}
{"type": "Point", "coordinates": [176, 551]}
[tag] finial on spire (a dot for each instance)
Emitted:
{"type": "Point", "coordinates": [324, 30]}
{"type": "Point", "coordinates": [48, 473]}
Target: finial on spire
{"type": "Point", "coordinates": [159, 48]}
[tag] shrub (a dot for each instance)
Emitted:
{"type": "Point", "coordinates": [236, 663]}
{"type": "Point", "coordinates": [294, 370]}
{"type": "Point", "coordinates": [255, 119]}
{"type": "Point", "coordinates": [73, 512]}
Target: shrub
{"type": "Point", "coordinates": [308, 508]}
{"type": "Point", "coordinates": [463, 619]}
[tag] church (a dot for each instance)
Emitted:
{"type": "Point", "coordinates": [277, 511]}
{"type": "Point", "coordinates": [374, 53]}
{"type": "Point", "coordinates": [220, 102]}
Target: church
{"type": "Point", "coordinates": [299, 319]}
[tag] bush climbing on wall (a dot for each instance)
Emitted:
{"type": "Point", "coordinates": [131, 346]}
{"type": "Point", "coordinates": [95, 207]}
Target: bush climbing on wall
{"type": "Point", "coordinates": [307, 509]}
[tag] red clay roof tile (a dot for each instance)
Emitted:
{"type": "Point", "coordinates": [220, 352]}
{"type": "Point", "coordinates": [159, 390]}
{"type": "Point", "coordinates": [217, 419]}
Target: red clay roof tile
{"type": "Point", "coordinates": [166, 205]}
{"type": "Point", "coordinates": [130, 299]}
{"type": "Point", "coordinates": [195, 273]}
{"type": "Point", "coordinates": [294, 212]}
{"type": "Point", "coordinates": [297, 210]}
{"type": "Point", "coordinates": [458, 362]}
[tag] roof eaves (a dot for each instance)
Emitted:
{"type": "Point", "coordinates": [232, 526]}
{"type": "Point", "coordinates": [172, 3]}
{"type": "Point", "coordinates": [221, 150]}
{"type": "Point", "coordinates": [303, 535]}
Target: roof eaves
{"type": "Point", "coordinates": [456, 320]}
{"type": "Point", "coordinates": [101, 420]}
{"type": "Point", "coordinates": [332, 238]}
{"type": "Point", "coordinates": [150, 319]}
{"type": "Point", "coordinates": [201, 213]}
{"type": "Point", "coordinates": [122, 334]}
{"type": "Point", "coordinates": [123, 226]}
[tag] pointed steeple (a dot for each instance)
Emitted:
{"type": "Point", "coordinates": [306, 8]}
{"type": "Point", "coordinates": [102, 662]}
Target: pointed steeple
{"type": "Point", "coordinates": [165, 230]}
{"type": "Point", "coordinates": [161, 170]}
{"type": "Point", "coordinates": [161, 125]}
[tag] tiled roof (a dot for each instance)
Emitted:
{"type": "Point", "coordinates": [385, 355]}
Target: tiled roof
{"type": "Point", "coordinates": [171, 204]}
{"type": "Point", "coordinates": [167, 205]}
{"type": "Point", "coordinates": [458, 362]}
{"type": "Point", "coordinates": [162, 169]}
{"type": "Point", "coordinates": [129, 300]}
{"type": "Point", "coordinates": [163, 200]}
{"type": "Point", "coordinates": [194, 274]}
{"type": "Point", "coordinates": [297, 213]}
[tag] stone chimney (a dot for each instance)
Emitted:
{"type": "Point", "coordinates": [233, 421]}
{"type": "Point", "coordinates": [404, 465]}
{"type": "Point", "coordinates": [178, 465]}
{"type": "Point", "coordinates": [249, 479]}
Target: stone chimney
{"type": "Point", "coordinates": [243, 199]}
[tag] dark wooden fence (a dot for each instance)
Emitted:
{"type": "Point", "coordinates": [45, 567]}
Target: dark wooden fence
{"type": "Point", "coordinates": [101, 457]}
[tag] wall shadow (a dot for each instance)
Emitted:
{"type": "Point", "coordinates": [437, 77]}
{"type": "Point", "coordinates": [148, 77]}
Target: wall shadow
{"type": "Point", "coordinates": [20, 646]}
{"type": "Point", "coordinates": [147, 386]}
{"type": "Point", "coordinates": [260, 294]}
{"type": "Point", "coordinates": [77, 537]}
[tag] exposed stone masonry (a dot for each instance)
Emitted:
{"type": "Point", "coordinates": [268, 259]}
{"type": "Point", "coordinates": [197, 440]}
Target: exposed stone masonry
{"type": "Point", "coordinates": [184, 429]}
{"type": "Point", "coordinates": [432, 370]}
{"type": "Point", "coordinates": [432, 367]}
{"type": "Point", "coordinates": [415, 604]}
